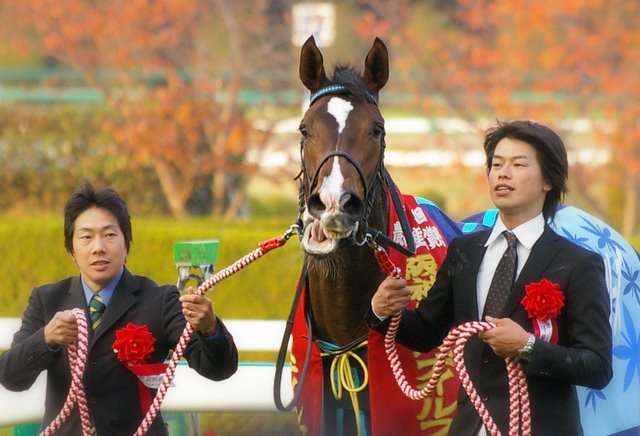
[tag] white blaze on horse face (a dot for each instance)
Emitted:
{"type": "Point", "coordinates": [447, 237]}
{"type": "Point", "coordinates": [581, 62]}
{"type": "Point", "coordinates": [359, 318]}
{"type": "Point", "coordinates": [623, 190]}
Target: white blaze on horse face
{"type": "Point", "coordinates": [340, 109]}
{"type": "Point", "coordinates": [331, 188]}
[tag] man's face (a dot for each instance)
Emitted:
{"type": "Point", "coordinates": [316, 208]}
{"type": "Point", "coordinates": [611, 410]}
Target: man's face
{"type": "Point", "coordinates": [515, 179]}
{"type": "Point", "coordinates": [98, 247]}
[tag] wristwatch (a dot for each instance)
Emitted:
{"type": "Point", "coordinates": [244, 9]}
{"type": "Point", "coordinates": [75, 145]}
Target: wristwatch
{"type": "Point", "coordinates": [524, 353]}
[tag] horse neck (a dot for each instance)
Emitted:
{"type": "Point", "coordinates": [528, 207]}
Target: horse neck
{"type": "Point", "coordinates": [341, 288]}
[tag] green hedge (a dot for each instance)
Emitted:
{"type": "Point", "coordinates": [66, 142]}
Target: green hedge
{"type": "Point", "coordinates": [34, 254]}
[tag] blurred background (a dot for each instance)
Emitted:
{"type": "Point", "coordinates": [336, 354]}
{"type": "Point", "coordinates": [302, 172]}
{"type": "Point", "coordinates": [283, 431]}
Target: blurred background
{"type": "Point", "coordinates": [191, 107]}
{"type": "Point", "coordinates": [190, 110]}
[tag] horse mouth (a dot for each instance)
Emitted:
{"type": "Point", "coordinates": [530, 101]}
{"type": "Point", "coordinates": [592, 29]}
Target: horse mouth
{"type": "Point", "coordinates": [320, 241]}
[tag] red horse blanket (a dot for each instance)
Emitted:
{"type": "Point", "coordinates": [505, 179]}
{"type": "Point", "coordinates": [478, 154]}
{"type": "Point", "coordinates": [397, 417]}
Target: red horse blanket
{"type": "Point", "coordinates": [392, 413]}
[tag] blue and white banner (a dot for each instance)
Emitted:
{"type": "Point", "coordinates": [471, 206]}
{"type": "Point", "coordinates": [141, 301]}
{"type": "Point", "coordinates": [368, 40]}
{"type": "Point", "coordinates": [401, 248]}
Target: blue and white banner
{"type": "Point", "coordinates": [616, 408]}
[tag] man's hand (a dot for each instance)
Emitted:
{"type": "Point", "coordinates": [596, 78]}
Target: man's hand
{"type": "Point", "coordinates": [61, 330]}
{"type": "Point", "coordinates": [198, 312]}
{"type": "Point", "coordinates": [506, 338]}
{"type": "Point", "coordinates": [392, 296]}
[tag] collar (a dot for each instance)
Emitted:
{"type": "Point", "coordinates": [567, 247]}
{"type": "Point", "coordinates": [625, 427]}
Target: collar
{"type": "Point", "coordinates": [527, 233]}
{"type": "Point", "coordinates": [105, 292]}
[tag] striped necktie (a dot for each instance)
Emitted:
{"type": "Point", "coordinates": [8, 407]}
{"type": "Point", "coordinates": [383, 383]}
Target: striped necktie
{"type": "Point", "coordinates": [96, 309]}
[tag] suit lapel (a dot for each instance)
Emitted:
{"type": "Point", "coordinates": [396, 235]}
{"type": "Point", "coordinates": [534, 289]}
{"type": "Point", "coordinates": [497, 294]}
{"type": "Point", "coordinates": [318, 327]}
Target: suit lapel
{"type": "Point", "coordinates": [75, 297]}
{"type": "Point", "coordinates": [541, 256]}
{"type": "Point", "coordinates": [124, 296]}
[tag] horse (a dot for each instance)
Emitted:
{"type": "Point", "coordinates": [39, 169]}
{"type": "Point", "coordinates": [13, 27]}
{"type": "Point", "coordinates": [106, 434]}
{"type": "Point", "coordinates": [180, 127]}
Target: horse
{"type": "Point", "coordinates": [348, 203]}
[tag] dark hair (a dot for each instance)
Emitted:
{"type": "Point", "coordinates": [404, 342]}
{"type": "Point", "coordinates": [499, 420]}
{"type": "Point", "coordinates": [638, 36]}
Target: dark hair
{"type": "Point", "coordinates": [86, 198]}
{"type": "Point", "coordinates": [550, 151]}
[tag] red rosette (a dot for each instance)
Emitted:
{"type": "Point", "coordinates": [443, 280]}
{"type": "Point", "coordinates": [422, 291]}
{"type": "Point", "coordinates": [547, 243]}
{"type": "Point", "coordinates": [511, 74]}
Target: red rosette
{"type": "Point", "coordinates": [543, 300]}
{"type": "Point", "coordinates": [133, 344]}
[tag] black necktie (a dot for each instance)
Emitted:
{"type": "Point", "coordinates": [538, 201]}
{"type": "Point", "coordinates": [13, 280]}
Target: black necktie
{"type": "Point", "coordinates": [503, 278]}
{"type": "Point", "coordinates": [96, 308]}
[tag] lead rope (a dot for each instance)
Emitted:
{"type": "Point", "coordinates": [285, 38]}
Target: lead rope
{"type": "Point", "coordinates": [519, 407]}
{"type": "Point", "coordinates": [77, 351]}
{"type": "Point", "coordinates": [78, 360]}
{"type": "Point", "coordinates": [263, 248]}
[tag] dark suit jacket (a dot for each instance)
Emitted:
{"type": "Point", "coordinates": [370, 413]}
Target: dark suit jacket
{"type": "Point", "coordinates": [111, 389]}
{"type": "Point", "coordinates": [581, 357]}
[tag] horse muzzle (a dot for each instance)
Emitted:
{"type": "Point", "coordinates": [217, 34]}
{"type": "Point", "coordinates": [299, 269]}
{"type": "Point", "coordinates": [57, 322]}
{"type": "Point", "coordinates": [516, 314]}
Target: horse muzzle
{"type": "Point", "coordinates": [322, 237]}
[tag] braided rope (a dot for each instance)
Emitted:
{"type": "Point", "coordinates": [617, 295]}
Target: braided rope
{"type": "Point", "coordinates": [264, 247]}
{"type": "Point", "coordinates": [77, 351]}
{"type": "Point", "coordinates": [519, 406]}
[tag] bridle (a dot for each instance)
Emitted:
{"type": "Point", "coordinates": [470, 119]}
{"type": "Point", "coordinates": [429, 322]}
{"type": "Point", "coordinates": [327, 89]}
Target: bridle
{"type": "Point", "coordinates": [365, 234]}
{"type": "Point", "coordinates": [370, 187]}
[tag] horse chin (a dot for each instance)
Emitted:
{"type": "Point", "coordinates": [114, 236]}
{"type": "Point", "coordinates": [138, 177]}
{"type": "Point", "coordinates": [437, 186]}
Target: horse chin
{"type": "Point", "coordinates": [318, 241]}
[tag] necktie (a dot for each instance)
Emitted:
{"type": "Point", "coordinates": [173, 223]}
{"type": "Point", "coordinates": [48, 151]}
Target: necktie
{"type": "Point", "coordinates": [503, 278]}
{"type": "Point", "coordinates": [96, 309]}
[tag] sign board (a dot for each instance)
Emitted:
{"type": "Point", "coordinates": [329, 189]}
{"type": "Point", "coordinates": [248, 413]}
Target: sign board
{"type": "Point", "coordinates": [317, 19]}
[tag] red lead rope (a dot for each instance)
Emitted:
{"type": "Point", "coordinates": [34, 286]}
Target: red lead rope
{"type": "Point", "coordinates": [264, 247]}
{"type": "Point", "coordinates": [77, 352]}
{"type": "Point", "coordinates": [519, 407]}
{"type": "Point", "coordinates": [78, 349]}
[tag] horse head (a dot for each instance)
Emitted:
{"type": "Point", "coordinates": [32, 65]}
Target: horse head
{"type": "Point", "coordinates": [342, 147]}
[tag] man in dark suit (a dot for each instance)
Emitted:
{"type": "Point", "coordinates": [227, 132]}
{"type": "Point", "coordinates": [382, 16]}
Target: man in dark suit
{"type": "Point", "coordinates": [527, 172]}
{"type": "Point", "coordinates": [97, 231]}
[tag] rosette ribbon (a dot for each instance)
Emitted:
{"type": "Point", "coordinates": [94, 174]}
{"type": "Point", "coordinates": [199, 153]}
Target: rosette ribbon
{"type": "Point", "coordinates": [543, 302]}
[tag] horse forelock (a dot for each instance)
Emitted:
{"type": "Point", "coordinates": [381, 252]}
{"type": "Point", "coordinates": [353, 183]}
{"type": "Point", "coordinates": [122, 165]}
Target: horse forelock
{"type": "Point", "coordinates": [352, 79]}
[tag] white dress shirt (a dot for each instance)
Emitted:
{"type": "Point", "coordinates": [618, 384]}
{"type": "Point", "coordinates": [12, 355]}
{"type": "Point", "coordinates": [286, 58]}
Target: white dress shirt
{"type": "Point", "coordinates": [527, 234]}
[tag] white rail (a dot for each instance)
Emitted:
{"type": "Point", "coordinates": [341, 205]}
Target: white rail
{"type": "Point", "coordinates": [249, 390]}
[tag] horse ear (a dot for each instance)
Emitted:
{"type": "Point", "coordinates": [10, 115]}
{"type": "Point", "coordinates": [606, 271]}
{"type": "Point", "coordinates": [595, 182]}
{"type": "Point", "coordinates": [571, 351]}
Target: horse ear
{"type": "Point", "coordinates": [376, 66]}
{"type": "Point", "coordinates": [311, 65]}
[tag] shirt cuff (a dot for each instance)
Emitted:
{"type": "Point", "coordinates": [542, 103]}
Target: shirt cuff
{"type": "Point", "coordinates": [381, 318]}
{"type": "Point", "coordinates": [53, 349]}
{"type": "Point", "coordinates": [216, 338]}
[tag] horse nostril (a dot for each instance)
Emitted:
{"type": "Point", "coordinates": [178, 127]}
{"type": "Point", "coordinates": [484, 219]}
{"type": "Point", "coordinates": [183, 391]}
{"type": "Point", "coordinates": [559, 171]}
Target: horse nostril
{"type": "Point", "coordinates": [315, 206]}
{"type": "Point", "coordinates": [352, 205]}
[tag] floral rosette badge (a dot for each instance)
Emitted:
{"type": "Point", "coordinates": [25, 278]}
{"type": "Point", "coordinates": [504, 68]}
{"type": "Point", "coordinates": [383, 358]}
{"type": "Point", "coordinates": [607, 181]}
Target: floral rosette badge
{"type": "Point", "coordinates": [543, 302]}
{"type": "Point", "coordinates": [133, 346]}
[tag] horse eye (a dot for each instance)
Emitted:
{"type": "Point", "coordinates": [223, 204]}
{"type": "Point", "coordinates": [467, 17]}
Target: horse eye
{"type": "Point", "coordinates": [377, 130]}
{"type": "Point", "coordinates": [303, 130]}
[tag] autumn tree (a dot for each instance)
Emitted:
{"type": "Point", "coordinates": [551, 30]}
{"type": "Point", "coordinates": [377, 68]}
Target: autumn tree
{"type": "Point", "coordinates": [548, 61]}
{"type": "Point", "coordinates": [173, 74]}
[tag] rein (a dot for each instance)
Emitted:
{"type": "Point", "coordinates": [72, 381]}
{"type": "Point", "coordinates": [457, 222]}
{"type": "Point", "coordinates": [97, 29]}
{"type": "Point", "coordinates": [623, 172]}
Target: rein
{"type": "Point", "coordinates": [519, 406]}
{"type": "Point", "coordinates": [78, 349]}
{"type": "Point", "coordinates": [277, 383]}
